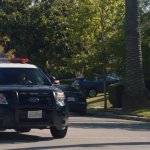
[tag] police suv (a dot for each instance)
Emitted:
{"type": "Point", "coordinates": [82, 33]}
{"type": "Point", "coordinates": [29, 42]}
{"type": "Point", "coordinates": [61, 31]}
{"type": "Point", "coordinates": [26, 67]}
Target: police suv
{"type": "Point", "coordinates": [28, 100]}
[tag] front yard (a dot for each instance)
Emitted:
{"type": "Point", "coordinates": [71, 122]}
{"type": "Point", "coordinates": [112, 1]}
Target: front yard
{"type": "Point", "coordinates": [96, 105]}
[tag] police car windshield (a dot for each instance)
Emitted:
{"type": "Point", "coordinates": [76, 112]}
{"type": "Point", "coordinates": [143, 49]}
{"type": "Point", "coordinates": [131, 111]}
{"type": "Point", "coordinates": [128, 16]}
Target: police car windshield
{"type": "Point", "coordinates": [22, 76]}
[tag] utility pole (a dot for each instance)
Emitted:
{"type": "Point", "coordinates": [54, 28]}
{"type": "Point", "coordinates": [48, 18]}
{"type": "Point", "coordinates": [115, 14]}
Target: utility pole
{"type": "Point", "coordinates": [104, 53]}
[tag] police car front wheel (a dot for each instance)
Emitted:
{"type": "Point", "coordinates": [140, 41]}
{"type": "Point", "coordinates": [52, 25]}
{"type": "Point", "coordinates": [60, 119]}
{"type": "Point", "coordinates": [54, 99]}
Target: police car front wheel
{"type": "Point", "coordinates": [57, 134]}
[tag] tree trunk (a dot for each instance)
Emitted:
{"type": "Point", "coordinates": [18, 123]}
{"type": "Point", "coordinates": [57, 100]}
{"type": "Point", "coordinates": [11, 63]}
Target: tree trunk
{"type": "Point", "coordinates": [135, 93]}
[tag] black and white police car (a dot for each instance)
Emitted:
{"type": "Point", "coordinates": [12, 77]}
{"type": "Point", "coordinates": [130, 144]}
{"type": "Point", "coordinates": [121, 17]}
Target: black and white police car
{"type": "Point", "coordinates": [28, 100]}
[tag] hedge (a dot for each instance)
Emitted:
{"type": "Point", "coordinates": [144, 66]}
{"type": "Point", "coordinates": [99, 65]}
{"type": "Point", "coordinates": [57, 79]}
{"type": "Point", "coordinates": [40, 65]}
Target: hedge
{"type": "Point", "coordinates": [115, 92]}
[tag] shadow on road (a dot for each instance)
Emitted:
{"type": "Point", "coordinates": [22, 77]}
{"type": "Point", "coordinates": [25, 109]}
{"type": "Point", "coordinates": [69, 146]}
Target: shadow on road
{"type": "Point", "coordinates": [113, 125]}
{"type": "Point", "coordinates": [86, 145]}
{"type": "Point", "coordinates": [13, 137]}
{"type": "Point", "coordinates": [109, 123]}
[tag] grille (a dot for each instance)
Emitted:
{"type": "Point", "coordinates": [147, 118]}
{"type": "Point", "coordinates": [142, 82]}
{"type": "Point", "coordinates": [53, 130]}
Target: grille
{"type": "Point", "coordinates": [22, 102]}
{"type": "Point", "coordinates": [35, 99]}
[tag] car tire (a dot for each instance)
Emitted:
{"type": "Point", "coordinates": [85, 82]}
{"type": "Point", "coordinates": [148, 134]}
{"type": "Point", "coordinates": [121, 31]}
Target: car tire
{"type": "Point", "coordinates": [57, 134]}
{"type": "Point", "coordinates": [22, 130]}
{"type": "Point", "coordinates": [83, 111]}
{"type": "Point", "coordinates": [92, 93]}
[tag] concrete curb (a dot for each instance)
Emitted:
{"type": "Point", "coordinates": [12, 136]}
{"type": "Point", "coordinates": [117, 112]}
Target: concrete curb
{"type": "Point", "coordinates": [119, 116]}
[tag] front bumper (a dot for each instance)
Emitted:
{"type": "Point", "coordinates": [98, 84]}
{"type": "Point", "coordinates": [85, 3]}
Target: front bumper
{"type": "Point", "coordinates": [14, 118]}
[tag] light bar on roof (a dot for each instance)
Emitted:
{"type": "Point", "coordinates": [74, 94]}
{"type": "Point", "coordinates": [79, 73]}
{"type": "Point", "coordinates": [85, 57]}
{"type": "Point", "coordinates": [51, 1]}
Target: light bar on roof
{"type": "Point", "coordinates": [4, 60]}
{"type": "Point", "coordinates": [19, 60]}
{"type": "Point", "coordinates": [14, 60]}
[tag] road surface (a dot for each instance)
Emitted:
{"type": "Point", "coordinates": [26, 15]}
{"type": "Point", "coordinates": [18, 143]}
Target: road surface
{"type": "Point", "coordinates": [84, 133]}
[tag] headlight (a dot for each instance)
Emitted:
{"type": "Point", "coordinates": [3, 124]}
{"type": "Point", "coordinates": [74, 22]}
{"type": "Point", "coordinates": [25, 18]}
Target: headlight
{"type": "Point", "coordinates": [60, 98]}
{"type": "Point", "coordinates": [3, 99]}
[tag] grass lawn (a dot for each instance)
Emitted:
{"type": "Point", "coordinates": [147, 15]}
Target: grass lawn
{"type": "Point", "coordinates": [96, 105]}
{"type": "Point", "coordinates": [142, 112]}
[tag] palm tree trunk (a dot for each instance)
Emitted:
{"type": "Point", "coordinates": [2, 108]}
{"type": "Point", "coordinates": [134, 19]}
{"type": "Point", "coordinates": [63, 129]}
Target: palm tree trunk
{"type": "Point", "coordinates": [135, 93]}
{"type": "Point", "coordinates": [1, 2]}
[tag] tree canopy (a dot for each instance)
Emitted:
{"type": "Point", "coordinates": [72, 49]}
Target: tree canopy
{"type": "Point", "coordinates": [65, 36]}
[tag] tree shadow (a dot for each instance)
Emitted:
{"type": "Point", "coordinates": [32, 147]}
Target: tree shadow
{"type": "Point", "coordinates": [111, 123]}
{"type": "Point", "coordinates": [13, 137]}
{"type": "Point", "coordinates": [136, 126]}
{"type": "Point", "coordinates": [126, 126]}
{"type": "Point", "coordinates": [96, 145]}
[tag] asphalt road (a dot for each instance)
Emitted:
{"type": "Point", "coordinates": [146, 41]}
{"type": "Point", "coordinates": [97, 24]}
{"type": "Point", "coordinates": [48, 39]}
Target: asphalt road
{"type": "Point", "coordinates": [90, 133]}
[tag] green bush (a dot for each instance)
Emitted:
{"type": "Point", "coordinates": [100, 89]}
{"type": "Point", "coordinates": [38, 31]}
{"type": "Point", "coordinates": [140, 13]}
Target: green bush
{"type": "Point", "coordinates": [115, 92]}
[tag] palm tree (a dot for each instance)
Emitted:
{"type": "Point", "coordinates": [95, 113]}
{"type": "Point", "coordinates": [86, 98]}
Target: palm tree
{"type": "Point", "coordinates": [135, 93]}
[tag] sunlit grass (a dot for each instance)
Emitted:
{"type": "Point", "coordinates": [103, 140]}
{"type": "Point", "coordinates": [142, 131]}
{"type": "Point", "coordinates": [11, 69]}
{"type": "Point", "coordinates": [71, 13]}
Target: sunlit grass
{"type": "Point", "coordinates": [96, 104]}
{"type": "Point", "coordinates": [143, 112]}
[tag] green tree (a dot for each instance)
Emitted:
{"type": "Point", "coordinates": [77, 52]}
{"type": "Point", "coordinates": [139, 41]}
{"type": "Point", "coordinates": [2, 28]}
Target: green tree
{"type": "Point", "coordinates": [135, 93]}
{"type": "Point", "coordinates": [94, 25]}
{"type": "Point", "coordinates": [145, 5]}
{"type": "Point", "coordinates": [62, 35]}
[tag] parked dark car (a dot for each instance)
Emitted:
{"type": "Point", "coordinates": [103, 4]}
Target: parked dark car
{"type": "Point", "coordinates": [76, 100]}
{"type": "Point", "coordinates": [91, 88]}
